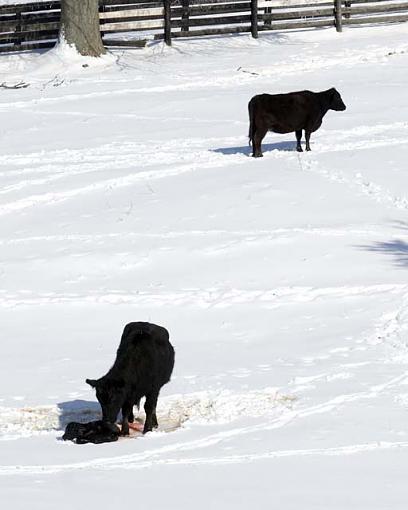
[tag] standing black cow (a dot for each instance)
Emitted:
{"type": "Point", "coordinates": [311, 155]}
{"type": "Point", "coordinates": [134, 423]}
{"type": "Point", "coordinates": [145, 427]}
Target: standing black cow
{"type": "Point", "coordinates": [285, 113]}
{"type": "Point", "coordinates": [144, 363]}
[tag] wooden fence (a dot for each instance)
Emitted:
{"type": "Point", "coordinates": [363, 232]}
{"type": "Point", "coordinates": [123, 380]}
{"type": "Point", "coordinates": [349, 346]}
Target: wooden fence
{"type": "Point", "coordinates": [130, 22]}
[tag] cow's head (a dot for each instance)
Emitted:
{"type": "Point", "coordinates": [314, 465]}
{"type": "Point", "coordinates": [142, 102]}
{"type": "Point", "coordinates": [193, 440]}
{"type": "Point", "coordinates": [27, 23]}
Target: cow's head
{"type": "Point", "coordinates": [110, 394]}
{"type": "Point", "coordinates": [336, 102]}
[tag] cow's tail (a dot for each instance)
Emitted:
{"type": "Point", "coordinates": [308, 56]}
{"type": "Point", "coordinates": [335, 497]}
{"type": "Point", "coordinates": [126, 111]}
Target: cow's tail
{"type": "Point", "coordinates": [251, 123]}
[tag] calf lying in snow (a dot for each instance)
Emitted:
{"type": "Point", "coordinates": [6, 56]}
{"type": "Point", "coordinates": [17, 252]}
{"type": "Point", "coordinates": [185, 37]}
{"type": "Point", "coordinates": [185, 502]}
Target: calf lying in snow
{"type": "Point", "coordinates": [285, 113]}
{"type": "Point", "coordinates": [144, 363]}
{"type": "Point", "coordinates": [92, 432]}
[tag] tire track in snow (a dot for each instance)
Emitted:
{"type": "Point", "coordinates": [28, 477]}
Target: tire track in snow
{"type": "Point", "coordinates": [351, 449]}
{"type": "Point", "coordinates": [52, 198]}
{"type": "Point", "coordinates": [141, 461]}
{"type": "Point", "coordinates": [247, 235]}
{"type": "Point", "coordinates": [158, 161]}
{"type": "Point", "coordinates": [156, 152]}
{"type": "Point", "coordinates": [202, 298]}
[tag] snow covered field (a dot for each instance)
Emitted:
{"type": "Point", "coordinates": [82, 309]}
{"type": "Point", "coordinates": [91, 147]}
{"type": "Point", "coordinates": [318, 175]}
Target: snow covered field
{"type": "Point", "coordinates": [127, 194]}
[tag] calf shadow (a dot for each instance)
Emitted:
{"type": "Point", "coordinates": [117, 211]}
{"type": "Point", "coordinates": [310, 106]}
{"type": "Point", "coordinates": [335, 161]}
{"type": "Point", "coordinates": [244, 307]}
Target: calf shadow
{"type": "Point", "coordinates": [266, 147]}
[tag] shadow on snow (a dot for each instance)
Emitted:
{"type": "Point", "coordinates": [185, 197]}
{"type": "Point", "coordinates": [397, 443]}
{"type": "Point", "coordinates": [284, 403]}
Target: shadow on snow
{"type": "Point", "coordinates": [78, 410]}
{"type": "Point", "coordinates": [396, 248]}
{"type": "Point", "coordinates": [266, 147]}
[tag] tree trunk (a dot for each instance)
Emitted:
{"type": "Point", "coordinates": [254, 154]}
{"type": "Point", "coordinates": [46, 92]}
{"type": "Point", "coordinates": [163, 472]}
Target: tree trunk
{"type": "Point", "coordinates": [80, 26]}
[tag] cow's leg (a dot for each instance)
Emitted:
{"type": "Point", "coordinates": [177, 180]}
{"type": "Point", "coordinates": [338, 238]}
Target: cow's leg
{"type": "Point", "coordinates": [154, 420]}
{"type": "Point", "coordinates": [307, 136]}
{"type": "Point", "coordinates": [258, 137]}
{"type": "Point", "coordinates": [127, 411]}
{"type": "Point", "coordinates": [150, 410]}
{"type": "Point", "coordinates": [131, 416]}
{"type": "Point", "coordinates": [136, 403]}
{"type": "Point", "coordinates": [298, 138]}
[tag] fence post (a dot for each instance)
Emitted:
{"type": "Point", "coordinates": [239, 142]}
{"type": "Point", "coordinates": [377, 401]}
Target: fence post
{"type": "Point", "coordinates": [17, 30]}
{"type": "Point", "coordinates": [167, 22]}
{"type": "Point", "coordinates": [347, 4]}
{"type": "Point", "coordinates": [338, 15]}
{"type": "Point", "coordinates": [101, 9]}
{"type": "Point", "coordinates": [268, 17]}
{"type": "Point", "coordinates": [254, 18]}
{"type": "Point", "coordinates": [185, 15]}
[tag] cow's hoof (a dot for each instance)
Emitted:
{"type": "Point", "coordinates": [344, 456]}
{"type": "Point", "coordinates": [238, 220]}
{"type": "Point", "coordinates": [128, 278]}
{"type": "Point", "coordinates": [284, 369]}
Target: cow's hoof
{"type": "Point", "coordinates": [257, 155]}
{"type": "Point", "coordinates": [124, 431]}
{"type": "Point", "coordinates": [299, 149]}
{"type": "Point", "coordinates": [308, 149]}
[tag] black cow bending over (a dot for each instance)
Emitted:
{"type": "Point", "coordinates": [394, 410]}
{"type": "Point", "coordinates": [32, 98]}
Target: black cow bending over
{"type": "Point", "coordinates": [144, 363]}
{"type": "Point", "coordinates": [285, 113]}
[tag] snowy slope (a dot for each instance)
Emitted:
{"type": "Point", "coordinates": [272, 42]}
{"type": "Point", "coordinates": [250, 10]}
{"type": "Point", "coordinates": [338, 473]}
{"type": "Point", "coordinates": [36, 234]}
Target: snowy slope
{"type": "Point", "coordinates": [127, 194]}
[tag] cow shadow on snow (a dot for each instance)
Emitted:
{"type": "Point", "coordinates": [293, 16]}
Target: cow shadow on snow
{"type": "Point", "coordinates": [81, 411]}
{"type": "Point", "coordinates": [247, 149]}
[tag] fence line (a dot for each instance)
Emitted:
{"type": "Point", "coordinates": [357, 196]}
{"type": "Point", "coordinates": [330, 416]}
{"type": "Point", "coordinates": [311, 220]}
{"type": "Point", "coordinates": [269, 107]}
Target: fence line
{"type": "Point", "coordinates": [35, 25]}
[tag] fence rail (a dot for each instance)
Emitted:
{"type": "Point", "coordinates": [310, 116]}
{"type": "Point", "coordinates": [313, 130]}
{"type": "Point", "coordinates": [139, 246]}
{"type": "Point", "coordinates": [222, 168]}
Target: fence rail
{"type": "Point", "coordinates": [35, 25]}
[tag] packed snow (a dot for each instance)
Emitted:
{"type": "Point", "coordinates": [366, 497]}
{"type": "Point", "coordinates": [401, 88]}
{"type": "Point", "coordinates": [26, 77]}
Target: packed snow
{"type": "Point", "coordinates": [127, 193]}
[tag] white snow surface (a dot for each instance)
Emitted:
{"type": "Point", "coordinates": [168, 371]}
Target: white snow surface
{"type": "Point", "coordinates": [127, 194]}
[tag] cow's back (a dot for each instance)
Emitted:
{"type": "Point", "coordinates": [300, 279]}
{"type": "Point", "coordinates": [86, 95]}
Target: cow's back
{"type": "Point", "coordinates": [146, 351]}
{"type": "Point", "coordinates": [146, 329]}
{"type": "Point", "coordinates": [284, 113]}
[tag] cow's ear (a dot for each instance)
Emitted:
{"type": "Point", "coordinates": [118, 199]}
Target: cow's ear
{"type": "Point", "coordinates": [92, 382]}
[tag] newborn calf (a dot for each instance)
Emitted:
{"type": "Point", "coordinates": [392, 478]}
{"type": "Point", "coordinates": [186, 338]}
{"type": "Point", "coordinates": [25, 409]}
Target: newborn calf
{"type": "Point", "coordinates": [93, 432]}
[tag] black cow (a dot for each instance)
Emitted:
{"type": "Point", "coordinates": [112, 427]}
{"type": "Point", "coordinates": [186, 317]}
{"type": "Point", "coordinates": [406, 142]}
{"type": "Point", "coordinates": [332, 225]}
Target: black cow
{"type": "Point", "coordinates": [144, 363]}
{"type": "Point", "coordinates": [285, 113]}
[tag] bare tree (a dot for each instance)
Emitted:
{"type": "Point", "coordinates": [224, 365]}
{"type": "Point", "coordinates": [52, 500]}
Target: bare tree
{"type": "Point", "coordinates": [80, 26]}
